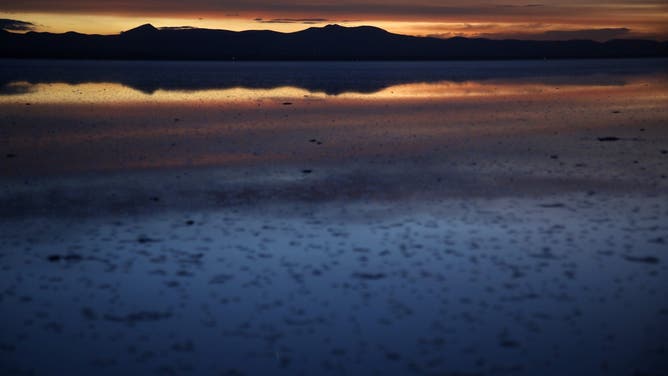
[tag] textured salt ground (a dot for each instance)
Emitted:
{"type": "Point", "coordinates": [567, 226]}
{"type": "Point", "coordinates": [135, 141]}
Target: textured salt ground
{"type": "Point", "coordinates": [550, 285]}
{"type": "Point", "coordinates": [519, 233]}
{"type": "Point", "coordinates": [388, 168]}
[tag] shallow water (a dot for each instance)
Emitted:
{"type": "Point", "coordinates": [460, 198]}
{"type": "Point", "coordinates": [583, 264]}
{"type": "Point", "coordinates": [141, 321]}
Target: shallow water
{"type": "Point", "coordinates": [474, 218]}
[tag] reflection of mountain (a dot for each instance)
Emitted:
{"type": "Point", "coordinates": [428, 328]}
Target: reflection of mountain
{"type": "Point", "coordinates": [326, 77]}
{"type": "Point", "coordinates": [332, 42]}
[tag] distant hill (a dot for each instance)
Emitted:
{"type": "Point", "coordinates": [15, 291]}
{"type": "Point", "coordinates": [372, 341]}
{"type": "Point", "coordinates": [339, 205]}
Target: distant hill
{"type": "Point", "coordinates": [332, 42]}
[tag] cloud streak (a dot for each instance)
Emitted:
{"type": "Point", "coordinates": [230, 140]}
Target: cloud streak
{"type": "Point", "coordinates": [593, 34]}
{"type": "Point", "coordinates": [493, 32]}
{"type": "Point", "coordinates": [305, 21]}
{"type": "Point", "coordinates": [16, 25]}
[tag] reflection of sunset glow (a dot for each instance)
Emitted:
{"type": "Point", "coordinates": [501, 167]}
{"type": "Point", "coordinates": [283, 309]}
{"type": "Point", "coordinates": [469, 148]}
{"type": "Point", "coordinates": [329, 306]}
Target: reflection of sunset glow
{"type": "Point", "coordinates": [98, 126]}
{"type": "Point", "coordinates": [105, 93]}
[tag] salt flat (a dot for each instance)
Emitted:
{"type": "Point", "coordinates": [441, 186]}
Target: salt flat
{"type": "Point", "coordinates": [459, 223]}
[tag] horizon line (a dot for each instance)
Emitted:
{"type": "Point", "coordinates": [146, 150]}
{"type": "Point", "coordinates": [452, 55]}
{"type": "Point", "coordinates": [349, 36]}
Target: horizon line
{"type": "Point", "coordinates": [188, 27]}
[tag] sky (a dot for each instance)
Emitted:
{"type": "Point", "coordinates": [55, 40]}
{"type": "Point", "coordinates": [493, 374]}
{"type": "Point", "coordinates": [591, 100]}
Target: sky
{"type": "Point", "coordinates": [569, 19]}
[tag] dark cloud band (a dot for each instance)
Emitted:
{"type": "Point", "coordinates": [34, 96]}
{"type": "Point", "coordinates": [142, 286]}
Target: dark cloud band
{"type": "Point", "coordinates": [307, 21]}
{"type": "Point", "coordinates": [305, 9]}
{"type": "Point", "coordinates": [492, 32]}
{"type": "Point", "coordinates": [16, 25]}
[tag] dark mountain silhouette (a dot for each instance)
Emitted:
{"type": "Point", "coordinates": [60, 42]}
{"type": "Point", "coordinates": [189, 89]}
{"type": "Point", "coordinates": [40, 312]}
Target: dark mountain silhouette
{"type": "Point", "coordinates": [332, 42]}
{"type": "Point", "coordinates": [145, 28]}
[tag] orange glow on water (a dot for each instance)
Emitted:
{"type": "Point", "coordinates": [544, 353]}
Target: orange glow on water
{"type": "Point", "coordinates": [119, 127]}
{"type": "Point", "coordinates": [115, 93]}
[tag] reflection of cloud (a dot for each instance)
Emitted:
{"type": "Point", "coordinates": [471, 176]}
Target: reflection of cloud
{"type": "Point", "coordinates": [307, 21]}
{"type": "Point", "coordinates": [327, 78]}
{"type": "Point", "coordinates": [16, 25]}
{"type": "Point", "coordinates": [17, 88]}
{"type": "Point", "coordinates": [111, 92]}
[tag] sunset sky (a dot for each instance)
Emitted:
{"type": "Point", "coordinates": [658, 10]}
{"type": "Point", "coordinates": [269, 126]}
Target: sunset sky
{"type": "Point", "coordinates": [570, 19]}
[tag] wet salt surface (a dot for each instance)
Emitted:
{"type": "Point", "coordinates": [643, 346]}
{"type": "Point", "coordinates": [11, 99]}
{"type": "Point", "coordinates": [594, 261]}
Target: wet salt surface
{"type": "Point", "coordinates": [517, 233]}
{"type": "Point", "coordinates": [482, 286]}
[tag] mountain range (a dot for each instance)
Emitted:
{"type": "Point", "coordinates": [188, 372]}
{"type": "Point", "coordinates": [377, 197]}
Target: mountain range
{"type": "Point", "coordinates": [332, 42]}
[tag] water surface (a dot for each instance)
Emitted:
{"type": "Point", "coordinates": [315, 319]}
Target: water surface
{"type": "Point", "coordinates": [478, 218]}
